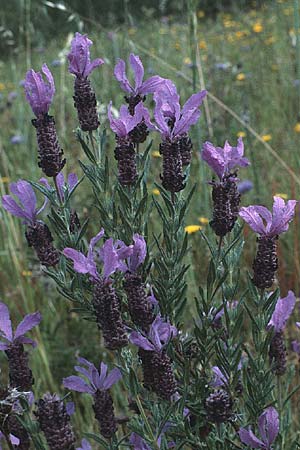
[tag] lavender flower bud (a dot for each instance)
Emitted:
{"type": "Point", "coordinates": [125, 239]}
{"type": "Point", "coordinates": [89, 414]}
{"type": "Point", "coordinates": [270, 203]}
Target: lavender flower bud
{"type": "Point", "coordinates": [277, 354]}
{"type": "Point", "coordinates": [218, 406]}
{"type": "Point", "coordinates": [172, 176]}
{"type": "Point", "coordinates": [85, 102]}
{"type": "Point", "coordinates": [134, 100]}
{"type": "Point", "coordinates": [265, 263]}
{"type": "Point", "coordinates": [39, 237]}
{"type": "Point", "coordinates": [50, 153]}
{"type": "Point", "coordinates": [139, 134]}
{"type": "Point", "coordinates": [55, 423]}
{"type": "Point", "coordinates": [20, 375]}
{"type": "Point", "coordinates": [226, 199]}
{"type": "Point", "coordinates": [74, 222]}
{"type": "Point", "coordinates": [108, 315]}
{"type": "Point", "coordinates": [104, 412]}
{"type": "Point", "coordinates": [140, 309]}
{"type": "Point", "coordinates": [185, 147]}
{"type": "Point", "coordinates": [126, 157]}
{"type": "Point", "coordinates": [158, 373]}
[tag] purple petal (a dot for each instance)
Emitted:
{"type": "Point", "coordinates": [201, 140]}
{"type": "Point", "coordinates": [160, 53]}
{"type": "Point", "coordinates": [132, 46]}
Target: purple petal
{"type": "Point", "coordinates": [120, 75]}
{"type": "Point", "coordinates": [138, 70]}
{"type": "Point", "coordinates": [10, 205]}
{"type": "Point", "coordinates": [85, 445]}
{"type": "Point", "coordinates": [268, 425]}
{"type": "Point", "coordinates": [95, 63]}
{"type": "Point", "coordinates": [72, 180]}
{"type": "Point", "coordinates": [14, 439]}
{"type": "Point", "coordinates": [219, 378]}
{"type": "Point", "coordinates": [248, 438]}
{"type": "Point", "coordinates": [282, 215]}
{"type": "Point", "coordinates": [77, 384]}
{"type": "Point", "coordinates": [29, 321]}
{"type": "Point", "coordinates": [138, 253]}
{"type": "Point", "coordinates": [103, 372]}
{"type": "Point", "coordinates": [109, 257]}
{"type": "Point", "coordinates": [27, 341]}
{"type": "Point", "coordinates": [112, 378]}
{"type": "Point", "coordinates": [26, 195]}
{"type": "Point", "coordinates": [295, 347]}
{"type": "Point", "coordinates": [116, 125]}
{"type": "Point", "coordinates": [138, 442]}
{"type": "Point", "coordinates": [213, 156]}
{"type": "Point", "coordinates": [3, 346]}
{"type": "Point", "coordinates": [251, 216]}
{"type": "Point", "coordinates": [81, 264]}
{"type": "Point", "coordinates": [151, 85]}
{"type": "Point", "coordinates": [283, 309]}
{"type": "Point", "coordinates": [79, 56]}
{"type": "Point", "coordinates": [70, 408]}
{"type": "Point", "coordinates": [39, 93]}
{"type": "Point", "coordinates": [160, 119]}
{"type": "Point", "coordinates": [5, 322]}
{"type": "Point", "coordinates": [140, 341]}
{"type": "Point", "coordinates": [194, 102]}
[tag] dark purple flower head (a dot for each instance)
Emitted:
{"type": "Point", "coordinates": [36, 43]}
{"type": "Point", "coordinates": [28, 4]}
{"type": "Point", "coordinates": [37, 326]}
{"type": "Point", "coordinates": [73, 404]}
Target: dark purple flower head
{"type": "Point", "coordinates": [85, 445]}
{"type": "Point", "coordinates": [268, 425]}
{"type": "Point", "coordinates": [26, 196]}
{"type": "Point", "coordinates": [39, 93]}
{"type": "Point", "coordinates": [79, 56]}
{"type": "Point", "coordinates": [131, 257]}
{"type": "Point", "coordinates": [171, 120]}
{"type": "Point", "coordinates": [63, 186]}
{"type": "Point", "coordinates": [159, 334]}
{"type": "Point", "coordinates": [268, 224]}
{"type": "Point", "coordinates": [6, 332]}
{"type": "Point", "coordinates": [126, 122]}
{"type": "Point", "coordinates": [283, 309]}
{"type": "Point", "coordinates": [223, 160]}
{"type": "Point", "coordinates": [140, 88]}
{"type": "Point", "coordinates": [82, 263]}
{"type": "Point", "coordinates": [98, 379]}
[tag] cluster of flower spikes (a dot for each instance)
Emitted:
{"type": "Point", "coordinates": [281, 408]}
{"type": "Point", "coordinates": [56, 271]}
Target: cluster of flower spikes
{"type": "Point", "coordinates": [172, 123]}
{"type": "Point", "coordinates": [225, 195]}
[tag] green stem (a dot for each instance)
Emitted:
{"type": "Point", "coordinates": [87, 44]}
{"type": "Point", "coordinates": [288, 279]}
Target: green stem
{"type": "Point", "coordinates": [149, 429]}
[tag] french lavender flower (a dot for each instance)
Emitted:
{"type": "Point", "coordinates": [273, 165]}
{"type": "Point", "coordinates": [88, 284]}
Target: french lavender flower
{"type": "Point", "coordinates": [268, 226]}
{"type": "Point", "coordinates": [125, 151]}
{"type": "Point", "coordinates": [82, 66]}
{"type": "Point", "coordinates": [13, 440]}
{"type": "Point", "coordinates": [139, 305]}
{"type": "Point", "coordinates": [54, 420]}
{"type": "Point", "coordinates": [37, 233]}
{"type": "Point", "coordinates": [173, 124]}
{"type": "Point", "coordinates": [39, 95]}
{"type": "Point", "coordinates": [20, 375]}
{"type": "Point", "coordinates": [225, 195]}
{"type": "Point", "coordinates": [268, 426]}
{"type": "Point", "coordinates": [105, 300]}
{"type": "Point", "coordinates": [168, 99]}
{"type": "Point", "coordinates": [99, 383]}
{"type": "Point", "coordinates": [64, 188]}
{"type": "Point", "coordinates": [157, 366]}
{"type": "Point", "coordinates": [218, 406]}
{"type": "Point", "coordinates": [277, 352]}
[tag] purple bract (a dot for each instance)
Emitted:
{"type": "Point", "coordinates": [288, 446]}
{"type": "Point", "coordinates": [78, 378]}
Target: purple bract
{"type": "Point", "coordinates": [27, 198]}
{"type": "Point", "coordinates": [79, 56]}
{"type": "Point", "coordinates": [6, 333]}
{"type": "Point", "coordinates": [85, 445]}
{"type": "Point", "coordinates": [159, 334]}
{"type": "Point", "coordinates": [127, 122]}
{"type": "Point", "coordinates": [62, 186]}
{"type": "Point", "coordinates": [131, 257]}
{"type": "Point", "coordinates": [13, 439]}
{"type": "Point", "coordinates": [140, 87]}
{"type": "Point", "coordinates": [283, 309]}
{"type": "Point", "coordinates": [39, 93]}
{"type": "Point", "coordinates": [223, 160]}
{"type": "Point", "coordinates": [268, 425]}
{"type": "Point", "coordinates": [265, 223]}
{"type": "Point", "coordinates": [98, 379]}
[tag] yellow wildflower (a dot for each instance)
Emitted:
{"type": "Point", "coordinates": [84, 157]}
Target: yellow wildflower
{"type": "Point", "coordinates": [2, 86]}
{"type": "Point", "coordinates": [266, 137]}
{"type": "Point", "coordinates": [281, 195]}
{"type": "Point", "coordinates": [190, 229]}
{"type": "Point", "coordinates": [187, 60]}
{"type": "Point", "coordinates": [155, 191]}
{"type": "Point", "coordinates": [241, 134]}
{"type": "Point", "coordinates": [202, 44]}
{"type": "Point", "coordinates": [270, 40]}
{"type": "Point", "coordinates": [297, 127]}
{"type": "Point", "coordinates": [131, 31]}
{"type": "Point", "coordinates": [241, 77]}
{"type": "Point", "coordinates": [203, 220]}
{"type": "Point", "coordinates": [201, 14]}
{"type": "Point", "coordinates": [257, 27]}
{"type": "Point", "coordinates": [239, 34]}
{"type": "Point", "coordinates": [26, 273]}
{"type": "Point", "coordinates": [156, 154]}
{"type": "Point", "coordinates": [177, 45]}
{"type": "Point", "coordinates": [5, 179]}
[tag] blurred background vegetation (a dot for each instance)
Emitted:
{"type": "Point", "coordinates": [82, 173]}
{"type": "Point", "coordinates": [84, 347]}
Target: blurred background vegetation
{"type": "Point", "coordinates": [245, 53]}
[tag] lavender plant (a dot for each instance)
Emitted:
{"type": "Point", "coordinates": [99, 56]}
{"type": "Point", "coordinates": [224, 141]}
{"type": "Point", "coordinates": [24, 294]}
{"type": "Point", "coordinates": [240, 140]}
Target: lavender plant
{"type": "Point", "coordinates": [211, 372]}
